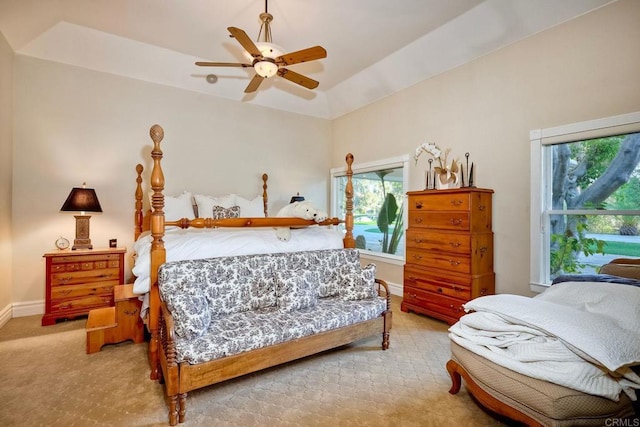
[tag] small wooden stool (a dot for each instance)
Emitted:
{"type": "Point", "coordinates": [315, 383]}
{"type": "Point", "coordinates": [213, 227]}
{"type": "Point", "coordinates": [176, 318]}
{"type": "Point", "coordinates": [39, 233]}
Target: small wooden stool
{"type": "Point", "coordinates": [112, 325]}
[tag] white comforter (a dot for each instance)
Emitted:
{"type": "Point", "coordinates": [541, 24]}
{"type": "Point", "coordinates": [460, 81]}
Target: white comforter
{"type": "Point", "coordinates": [209, 243]}
{"type": "Point", "coordinates": [581, 335]}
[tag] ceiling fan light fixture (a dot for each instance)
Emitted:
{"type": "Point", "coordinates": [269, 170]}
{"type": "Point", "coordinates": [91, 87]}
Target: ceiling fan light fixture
{"type": "Point", "coordinates": [266, 68]}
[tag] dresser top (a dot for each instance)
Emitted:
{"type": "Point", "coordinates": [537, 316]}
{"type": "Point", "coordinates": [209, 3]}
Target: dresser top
{"type": "Point", "coordinates": [70, 252]}
{"type": "Point", "coordinates": [451, 191]}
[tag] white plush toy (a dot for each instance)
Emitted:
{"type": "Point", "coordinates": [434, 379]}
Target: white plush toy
{"type": "Point", "coordinates": [304, 210]}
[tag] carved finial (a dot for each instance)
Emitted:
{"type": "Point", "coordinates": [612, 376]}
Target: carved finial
{"type": "Point", "coordinates": [139, 169]}
{"type": "Point", "coordinates": [157, 133]}
{"type": "Point", "coordinates": [349, 159]}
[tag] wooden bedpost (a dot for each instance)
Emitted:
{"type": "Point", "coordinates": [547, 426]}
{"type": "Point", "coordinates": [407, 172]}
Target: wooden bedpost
{"type": "Point", "coordinates": [349, 241]}
{"type": "Point", "coordinates": [138, 216]}
{"type": "Point", "coordinates": [265, 199]}
{"type": "Point", "coordinates": [158, 251]}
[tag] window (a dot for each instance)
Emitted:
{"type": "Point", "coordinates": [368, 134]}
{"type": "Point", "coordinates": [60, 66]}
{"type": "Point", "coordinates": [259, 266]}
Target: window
{"type": "Point", "coordinates": [379, 193]}
{"type": "Point", "coordinates": [585, 196]}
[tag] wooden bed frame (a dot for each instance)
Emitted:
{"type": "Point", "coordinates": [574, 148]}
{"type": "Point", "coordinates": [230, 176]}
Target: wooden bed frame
{"type": "Point", "coordinates": [155, 222]}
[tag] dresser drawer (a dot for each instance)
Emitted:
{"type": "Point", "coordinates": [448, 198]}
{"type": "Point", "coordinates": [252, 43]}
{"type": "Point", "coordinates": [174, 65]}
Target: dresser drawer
{"type": "Point", "coordinates": [438, 241]}
{"type": "Point", "coordinates": [85, 276]}
{"type": "Point", "coordinates": [440, 287]}
{"type": "Point", "coordinates": [440, 220]}
{"type": "Point", "coordinates": [439, 202]}
{"type": "Point", "coordinates": [437, 259]}
{"type": "Point", "coordinates": [447, 306]}
{"type": "Point", "coordinates": [83, 290]}
{"type": "Point", "coordinates": [80, 304]}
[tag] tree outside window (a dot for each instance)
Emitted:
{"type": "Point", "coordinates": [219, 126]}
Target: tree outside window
{"type": "Point", "coordinates": [594, 203]}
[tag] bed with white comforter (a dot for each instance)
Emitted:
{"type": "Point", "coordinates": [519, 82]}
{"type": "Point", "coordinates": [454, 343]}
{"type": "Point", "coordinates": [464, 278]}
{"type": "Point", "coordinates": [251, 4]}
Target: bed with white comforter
{"type": "Point", "coordinates": [185, 244]}
{"type": "Point", "coordinates": [581, 335]}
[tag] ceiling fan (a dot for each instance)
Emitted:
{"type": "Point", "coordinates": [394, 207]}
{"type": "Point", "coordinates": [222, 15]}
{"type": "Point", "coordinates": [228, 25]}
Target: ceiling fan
{"type": "Point", "coordinates": [268, 59]}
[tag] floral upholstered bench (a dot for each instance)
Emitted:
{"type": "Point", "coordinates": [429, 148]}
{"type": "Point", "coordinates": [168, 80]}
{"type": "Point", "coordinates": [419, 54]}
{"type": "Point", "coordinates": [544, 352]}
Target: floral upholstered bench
{"type": "Point", "coordinates": [226, 317]}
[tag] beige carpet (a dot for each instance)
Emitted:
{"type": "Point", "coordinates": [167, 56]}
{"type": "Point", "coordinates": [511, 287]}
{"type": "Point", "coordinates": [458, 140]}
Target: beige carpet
{"type": "Point", "coordinates": [47, 379]}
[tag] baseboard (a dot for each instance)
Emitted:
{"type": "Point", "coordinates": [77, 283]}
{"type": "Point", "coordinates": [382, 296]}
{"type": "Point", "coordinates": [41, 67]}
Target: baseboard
{"type": "Point", "coordinates": [29, 308]}
{"type": "Point", "coordinates": [5, 315]}
{"type": "Point", "coordinates": [395, 289]}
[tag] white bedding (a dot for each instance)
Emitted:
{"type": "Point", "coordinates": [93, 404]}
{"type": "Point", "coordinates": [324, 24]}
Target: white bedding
{"type": "Point", "coordinates": [209, 243]}
{"type": "Point", "coordinates": [581, 335]}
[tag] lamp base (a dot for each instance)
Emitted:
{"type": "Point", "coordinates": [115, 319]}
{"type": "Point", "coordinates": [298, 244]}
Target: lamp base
{"type": "Point", "coordinates": [81, 244]}
{"type": "Point", "coordinates": [82, 240]}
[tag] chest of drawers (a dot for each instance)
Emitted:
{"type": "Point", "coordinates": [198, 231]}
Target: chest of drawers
{"type": "Point", "coordinates": [78, 281]}
{"type": "Point", "coordinates": [449, 251]}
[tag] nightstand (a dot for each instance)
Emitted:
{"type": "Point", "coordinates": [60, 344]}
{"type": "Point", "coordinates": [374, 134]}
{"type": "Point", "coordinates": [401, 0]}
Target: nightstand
{"type": "Point", "coordinates": [81, 280]}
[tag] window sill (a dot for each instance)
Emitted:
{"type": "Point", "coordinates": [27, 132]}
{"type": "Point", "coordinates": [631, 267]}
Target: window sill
{"type": "Point", "coordinates": [538, 287]}
{"type": "Point", "coordinates": [389, 259]}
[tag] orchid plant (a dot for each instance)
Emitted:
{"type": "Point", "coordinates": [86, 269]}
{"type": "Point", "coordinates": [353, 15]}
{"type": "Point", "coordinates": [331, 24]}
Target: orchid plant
{"type": "Point", "coordinates": [446, 173]}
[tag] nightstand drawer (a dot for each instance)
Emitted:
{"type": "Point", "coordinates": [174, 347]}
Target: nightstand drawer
{"type": "Point", "coordinates": [80, 304]}
{"type": "Point", "coordinates": [88, 289]}
{"type": "Point", "coordinates": [84, 276]}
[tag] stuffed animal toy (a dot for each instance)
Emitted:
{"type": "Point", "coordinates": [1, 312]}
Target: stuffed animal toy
{"type": "Point", "coordinates": [304, 210]}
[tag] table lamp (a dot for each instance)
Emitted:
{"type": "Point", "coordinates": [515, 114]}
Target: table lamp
{"type": "Point", "coordinates": [82, 200]}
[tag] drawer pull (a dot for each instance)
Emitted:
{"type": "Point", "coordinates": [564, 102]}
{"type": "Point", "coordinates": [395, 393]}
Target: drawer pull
{"type": "Point", "coordinates": [456, 202]}
{"type": "Point", "coordinates": [483, 291]}
{"type": "Point", "coordinates": [440, 290]}
{"type": "Point", "coordinates": [416, 256]}
{"type": "Point", "coordinates": [66, 306]}
{"type": "Point", "coordinates": [418, 240]}
{"type": "Point", "coordinates": [131, 313]}
{"type": "Point", "coordinates": [65, 279]}
{"type": "Point", "coordinates": [483, 250]}
{"type": "Point", "coordinates": [418, 205]}
{"type": "Point", "coordinates": [456, 221]}
{"type": "Point", "coordinates": [417, 220]}
{"type": "Point", "coordinates": [65, 293]}
{"type": "Point", "coordinates": [481, 207]}
{"type": "Point", "coordinates": [454, 244]}
{"type": "Point", "coordinates": [454, 262]}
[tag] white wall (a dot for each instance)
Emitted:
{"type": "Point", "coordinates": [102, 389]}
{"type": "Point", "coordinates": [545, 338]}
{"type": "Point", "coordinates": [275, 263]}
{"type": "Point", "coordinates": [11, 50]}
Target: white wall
{"type": "Point", "coordinates": [6, 113]}
{"type": "Point", "coordinates": [73, 125]}
{"type": "Point", "coordinates": [583, 69]}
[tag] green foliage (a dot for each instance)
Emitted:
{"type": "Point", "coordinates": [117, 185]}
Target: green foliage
{"type": "Point", "coordinates": [597, 155]}
{"type": "Point", "coordinates": [398, 231]}
{"type": "Point", "coordinates": [567, 245]}
{"type": "Point", "coordinates": [388, 213]}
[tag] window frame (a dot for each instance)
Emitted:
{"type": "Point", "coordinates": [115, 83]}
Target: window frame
{"type": "Point", "coordinates": [391, 162]}
{"type": "Point", "coordinates": [541, 175]}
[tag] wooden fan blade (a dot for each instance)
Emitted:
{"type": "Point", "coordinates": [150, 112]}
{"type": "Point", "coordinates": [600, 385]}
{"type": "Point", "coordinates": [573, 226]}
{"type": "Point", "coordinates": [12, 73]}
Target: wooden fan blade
{"type": "Point", "coordinates": [304, 55]}
{"type": "Point", "coordinates": [254, 83]}
{"type": "Point", "coordinates": [298, 78]}
{"type": "Point", "coordinates": [245, 41]}
{"type": "Point", "coordinates": [222, 64]}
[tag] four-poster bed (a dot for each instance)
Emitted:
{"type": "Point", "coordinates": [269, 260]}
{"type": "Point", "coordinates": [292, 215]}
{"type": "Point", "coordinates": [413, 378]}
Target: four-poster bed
{"type": "Point", "coordinates": [155, 224]}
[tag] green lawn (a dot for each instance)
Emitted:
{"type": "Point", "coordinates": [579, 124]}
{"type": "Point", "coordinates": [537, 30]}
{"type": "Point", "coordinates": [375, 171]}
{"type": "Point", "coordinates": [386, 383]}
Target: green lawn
{"type": "Point", "coordinates": [622, 248]}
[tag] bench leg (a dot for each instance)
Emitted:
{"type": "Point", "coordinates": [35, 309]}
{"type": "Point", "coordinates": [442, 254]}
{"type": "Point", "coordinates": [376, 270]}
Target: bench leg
{"type": "Point", "coordinates": [182, 407]}
{"type": "Point", "coordinates": [173, 410]}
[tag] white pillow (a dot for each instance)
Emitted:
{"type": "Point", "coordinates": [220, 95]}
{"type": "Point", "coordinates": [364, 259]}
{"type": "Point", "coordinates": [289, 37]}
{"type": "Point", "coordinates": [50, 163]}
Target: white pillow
{"type": "Point", "coordinates": [206, 203]}
{"type": "Point", "coordinates": [251, 208]}
{"type": "Point", "coordinates": [177, 207]}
